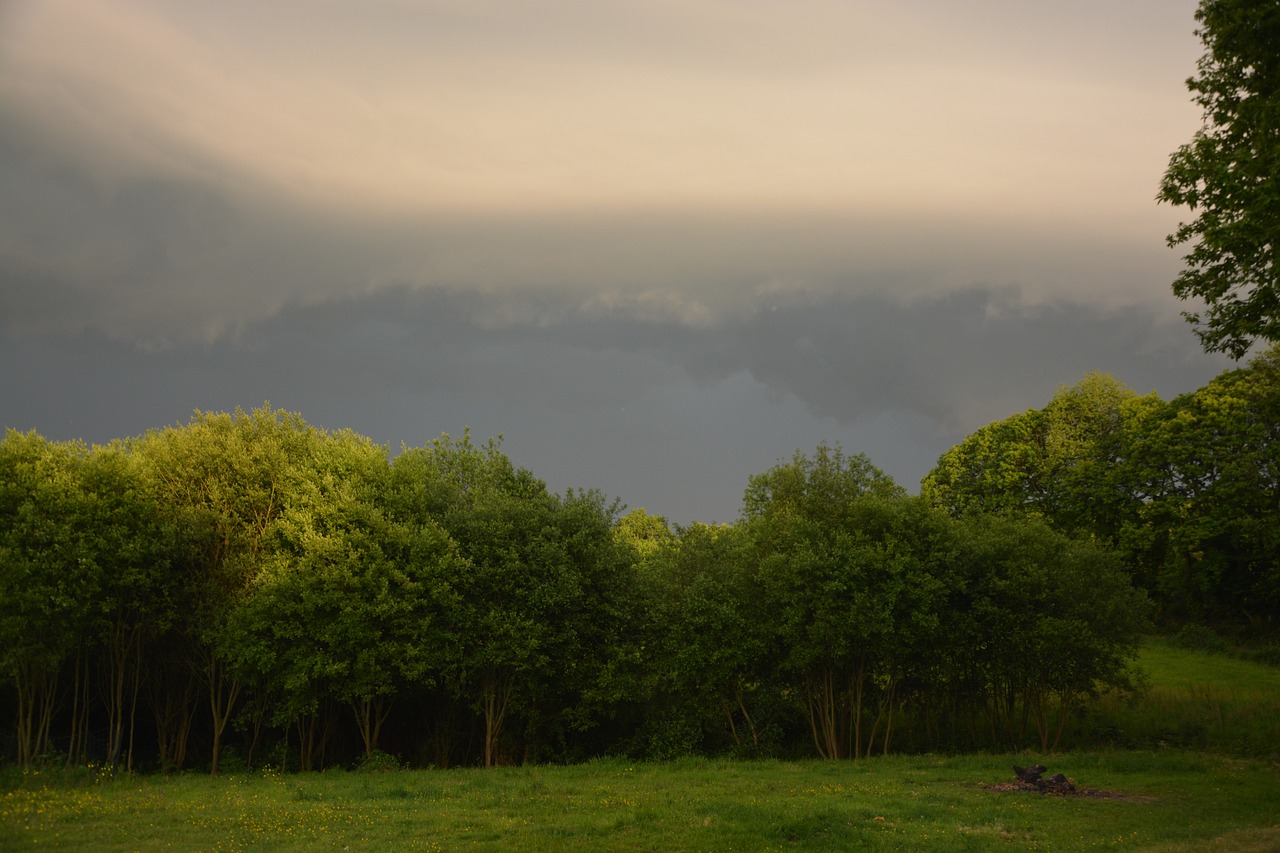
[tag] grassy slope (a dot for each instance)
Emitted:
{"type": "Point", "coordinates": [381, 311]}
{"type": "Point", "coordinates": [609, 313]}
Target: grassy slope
{"type": "Point", "coordinates": [1198, 701]}
{"type": "Point", "coordinates": [1173, 669]}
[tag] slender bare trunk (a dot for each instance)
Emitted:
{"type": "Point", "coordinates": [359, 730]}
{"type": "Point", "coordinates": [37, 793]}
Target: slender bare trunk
{"type": "Point", "coordinates": [125, 659]}
{"type": "Point", "coordinates": [77, 749]}
{"type": "Point", "coordinates": [814, 727]}
{"type": "Point", "coordinates": [133, 700]}
{"type": "Point", "coordinates": [1065, 708]}
{"type": "Point", "coordinates": [314, 733]}
{"type": "Point", "coordinates": [884, 714]}
{"type": "Point", "coordinates": [37, 695]}
{"type": "Point", "coordinates": [733, 728]}
{"type": "Point", "coordinates": [223, 693]}
{"type": "Point", "coordinates": [308, 726]}
{"type": "Point", "coordinates": [259, 704]}
{"type": "Point", "coordinates": [888, 728]}
{"type": "Point", "coordinates": [495, 701]}
{"type": "Point", "coordinates": [827, 703]}
{"type": "Point", "coordinates": [751, 725]}
{"type": "Point", "coordinates": [371, 713]}
{"type": "Point", "coordinates": [859, 697]}
{"type": "Point", "coordinates": [174, 713]}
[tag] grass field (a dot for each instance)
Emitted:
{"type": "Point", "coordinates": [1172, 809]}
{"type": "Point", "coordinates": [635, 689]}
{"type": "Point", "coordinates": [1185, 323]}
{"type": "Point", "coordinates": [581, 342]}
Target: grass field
{"type": "Point", "coordinates": [1172, 801]}
{"type": "Point", "coordinates": [1164, 798]}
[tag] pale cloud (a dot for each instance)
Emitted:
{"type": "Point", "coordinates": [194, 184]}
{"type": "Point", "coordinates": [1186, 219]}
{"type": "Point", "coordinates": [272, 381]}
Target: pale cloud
{"type": "Point", "coordinates": [569, 106]}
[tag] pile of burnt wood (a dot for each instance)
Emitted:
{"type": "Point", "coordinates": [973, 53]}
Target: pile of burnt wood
{"type": "Point", "coordinates": [1033, 778]}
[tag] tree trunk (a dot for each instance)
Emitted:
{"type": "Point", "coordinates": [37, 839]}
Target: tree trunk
{"type": "Point", "coordinates": [829, 706]}
{"type": "Point", "coordinates": [259, 705]}
{"type": "Point", "coordinates": [78, 748]}
{"type": "Point", "coordinates": [371, 713]}
{"type": "Point", "coordinates": [884, 713]}
{"type": "Point", "coordinates": [494, 704]}
{"type": "Point", "coordinates": [123, 648]}
{"type": "Point", "coordinates": [133, 701]}
{"type": "Point", "coordinates": [174, 712]}
{"type": "Point", "coordinates": [308, 725]}
{"type": "Point", "coordinates": [859, 695]}
{"type": "Point", "coordinates": [223, 692]}
{"type": "Point", "coordinates": [37, 694]}
{"type": "Point", "coordinates": [314, 732]}
{"type": "Point", "coordinates": [733, 728]}
{"type": "Point", "coordinates": [751, 725]}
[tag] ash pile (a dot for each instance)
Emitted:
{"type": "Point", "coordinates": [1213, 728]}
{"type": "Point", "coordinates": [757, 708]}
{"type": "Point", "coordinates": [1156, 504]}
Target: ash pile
{"type": "Point", "coordinates": [1033, 779]}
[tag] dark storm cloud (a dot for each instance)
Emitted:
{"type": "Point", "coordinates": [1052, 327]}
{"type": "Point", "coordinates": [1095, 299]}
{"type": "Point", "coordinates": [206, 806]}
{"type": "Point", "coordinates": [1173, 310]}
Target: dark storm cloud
{"type": "Point", "coordinates": [955, 358]}
{"type": "Point", "coordinates": [591, 396]}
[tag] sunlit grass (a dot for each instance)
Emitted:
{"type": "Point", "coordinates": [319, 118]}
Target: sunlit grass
{"type": "Point", "coordinates": [1177, 801]}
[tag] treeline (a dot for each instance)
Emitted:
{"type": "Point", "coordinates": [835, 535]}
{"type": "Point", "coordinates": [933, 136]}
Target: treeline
{"type": "Point", "coordinates": [248, 579]}
{"type": "Point", "coordinates": [1186, 491]}
{"type": "Point", "coordinates": [247, 582]}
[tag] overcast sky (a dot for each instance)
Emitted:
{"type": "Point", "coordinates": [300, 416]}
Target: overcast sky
{"type": "Point", "coordinates": [657, 245]}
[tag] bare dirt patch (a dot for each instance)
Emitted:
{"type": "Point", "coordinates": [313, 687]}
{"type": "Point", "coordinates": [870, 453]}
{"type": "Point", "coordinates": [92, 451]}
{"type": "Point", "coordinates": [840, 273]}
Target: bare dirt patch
{"type": "Point", "coordinates": [1074, 791]}
{"type": "Point", "coordinates": [1033, 780]}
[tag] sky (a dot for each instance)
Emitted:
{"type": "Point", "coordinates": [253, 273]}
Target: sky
{"type": "Point", "coordinates": [656, 245]}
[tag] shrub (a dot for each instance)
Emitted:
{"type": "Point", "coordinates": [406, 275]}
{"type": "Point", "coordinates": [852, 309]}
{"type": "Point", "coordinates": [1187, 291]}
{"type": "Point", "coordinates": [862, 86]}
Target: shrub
{"type": "Point", "coordinates": [1199, 638]}
{"type": "Point", "coordinates": [378, 762]}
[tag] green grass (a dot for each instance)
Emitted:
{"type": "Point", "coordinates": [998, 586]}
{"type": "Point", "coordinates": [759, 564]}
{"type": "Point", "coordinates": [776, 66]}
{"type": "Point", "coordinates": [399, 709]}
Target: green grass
{"type": "Point", "coordinates": [1196, 700]}
{"type": "Point", "coordinates": [1172, 668]}
{"type": "Point", "coordinates": [1178, 801]}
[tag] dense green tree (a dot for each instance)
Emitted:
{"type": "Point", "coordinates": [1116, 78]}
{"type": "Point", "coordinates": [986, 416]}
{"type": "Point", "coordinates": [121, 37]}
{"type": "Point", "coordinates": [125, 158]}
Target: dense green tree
{"type": "Point", "coordinates": [1208, 527]}
{"type": "Point", "coordinates": [923, 592]}
{"type": "Point", "coordinates": [811, 486]}
{"type": "Point", "coordinates": [1185, 490]}
{"type": "Point", "coordinates": [129, 540]}
{"type": "Point", "coordinates": [1226, 175]}
{"type": "Point", "coordinates": [712, 650]}
{"type": "Point", "coordinates": [87, 565]}
{"type": "Point", "coordinates": [1047, 621]}
{"type": "Point", "coordinates": [541, 592]}
{"type": "Point", "coordinates": [832, 582]}
{"type": "Point", "coordinates": [1057, 463]}
{"type": "Point", "coordinates": [350, 604]}
{"type": "Point", "coordinates": [227, 478]}
{"type": "Point", "coordinates": [599, 623]}
{"type": "Point", "coordinates": [645, 534]}
{"type": "Point", "coordinates": [491, 509]}
{"type": "Point", "coordinates": [47, 585]}
{"type": "Point", "coordinates": [883, 604]}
